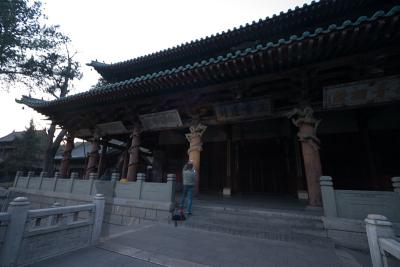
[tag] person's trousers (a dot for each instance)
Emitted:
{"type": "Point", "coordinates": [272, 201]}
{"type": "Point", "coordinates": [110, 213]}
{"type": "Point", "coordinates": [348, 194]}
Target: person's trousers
{"type": "Point", "coordinates": [187, 191]}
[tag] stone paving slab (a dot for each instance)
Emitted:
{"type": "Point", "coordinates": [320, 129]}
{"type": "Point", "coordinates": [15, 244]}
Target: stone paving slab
{"type": "Point", "coordinates": [147, 256]}
{"type": "Point", "coordinates": [216, 249]}
{"type": "Point", "coordinates": [93, 256]}
{"type": "Point", "coordinates": [165, 245]}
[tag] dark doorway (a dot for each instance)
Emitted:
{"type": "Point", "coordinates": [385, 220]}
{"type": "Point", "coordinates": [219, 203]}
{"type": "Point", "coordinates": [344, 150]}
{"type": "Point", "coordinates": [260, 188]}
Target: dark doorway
{"type": "Point", "coordinates": [213, 167]}
{"type": "Point", "coordinates": [262, 167]}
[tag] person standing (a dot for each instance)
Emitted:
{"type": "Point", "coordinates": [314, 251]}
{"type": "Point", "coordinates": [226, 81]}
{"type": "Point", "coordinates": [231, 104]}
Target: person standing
{"type": "Point", "coordinates": [189, 176]}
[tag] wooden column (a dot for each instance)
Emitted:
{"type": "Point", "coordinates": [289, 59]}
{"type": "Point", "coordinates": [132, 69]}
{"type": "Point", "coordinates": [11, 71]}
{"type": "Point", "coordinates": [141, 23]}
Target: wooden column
{"type": "Point", "coordinates": [368, 152]}
{"type": "Point", "coordinates": [124, 169]}
{"type": "Point", "coordinates": [227, 190]}
{"type": "Point", "coordinates": [307, 125]}
{"type": "Point", "coordinates": [196, 146]}
{"type": "Point", "coordinates": [93, 158]}
{"type": "Point", "coordinates": [134, 154]}
{"type": "Point", "coordinates": [101, 160]}
{"type": "Point", "coordinates": [69, 146]}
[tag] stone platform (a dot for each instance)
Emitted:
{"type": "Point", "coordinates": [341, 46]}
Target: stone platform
{"type": "Point", "coordinates": [166, 245]}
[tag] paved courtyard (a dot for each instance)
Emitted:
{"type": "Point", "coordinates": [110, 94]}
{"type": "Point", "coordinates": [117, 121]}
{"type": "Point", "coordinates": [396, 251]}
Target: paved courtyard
{"type": "Point", "coordinates": [166, 245]}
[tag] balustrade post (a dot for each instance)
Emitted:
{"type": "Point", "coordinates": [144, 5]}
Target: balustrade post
{"type": "Point", "coordinates": [56, 177]}
{"type": "Point", "coordinates": [18, 210]}
{"type": "Point", "coordinates": [115, 176]}
{"type": "Point", "coordinates": [73, 176]}
{"type": "Point", "coordinates": [42, 175]}
{"type": "Point", "coordinates": [377, 226]}
{"type": "Point", "coordinates": [114, 179]}
{"type": "Point", "coordinates": [396, 184]}
{"type": "Point", "coordinates": [99, 202]}
{"type": "Point", "coordinates": [92, 178]}
{"type": "Point", "coordinates": [17, 175]}
{"type": "Point", "coordinates": [328, 196]}
{"type": "Point", "coordinates": [171, 178]}
{"type": "Point", "coordinates": [29, 176]}
{"type": "Point", "coordinates": [140, 178]}
{"type": "Point", "coordinates": [53, 218]}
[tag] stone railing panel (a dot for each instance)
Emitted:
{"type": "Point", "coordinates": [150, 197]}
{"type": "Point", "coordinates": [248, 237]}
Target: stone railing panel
{"type": "Point", "coordinates": [34, 183]}
{"type": "Point", "coordinates": [4, 220]}
{"type": "Point", "coordinates": [382, 240]}
{"type": "Point", "coordinates": [63, 185]}
{"type": "Point", "coordinates": [46, 228]}
{"type": "Point", "coordinates": [22, 182]}
{"type": "Point", "coordinates": [103, 187]}
{"type": "Point", "coordinates": [140, 190]}
{"type": "Point", "coordinates": [81, 187]}
{"type": "Point", "coordinates": [127, 190]}
{"type": "Point", "coordinates": [356, 204]}
{"type": "Point", "coordinates": [33, 235]}
{"type": "Point", "coordinates": [155, 192]}
{"type": "Point", "coordinates": [47, 184]}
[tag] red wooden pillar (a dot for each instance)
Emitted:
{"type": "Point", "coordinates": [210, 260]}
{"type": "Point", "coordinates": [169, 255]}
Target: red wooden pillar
{"type": "Point", "coordinates": [100, 167]}
{"type": "Point", "coordinates": [196, 146]}
{"type": "Point", "coordinates": [307, 125]}
{"type": "Point", "coordinates": [124, 167]}
{"type": "Point", "coordinates": [93, 158]}
{"type": "Point", "coordinates": [69, 146]}
{"type": "Point", "coordinates": [134, 154]}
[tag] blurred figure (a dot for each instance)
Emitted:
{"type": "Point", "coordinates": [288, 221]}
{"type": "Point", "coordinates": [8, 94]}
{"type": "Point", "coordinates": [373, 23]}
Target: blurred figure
{"type": "Point", "coordinates": [188, 175]}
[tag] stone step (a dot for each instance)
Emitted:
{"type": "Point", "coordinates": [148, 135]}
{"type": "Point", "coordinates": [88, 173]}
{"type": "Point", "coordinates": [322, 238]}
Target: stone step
{"type": "Point", "coordinates": [304, 238]}
{"type": "Point", "coordinates": [262, 226]}
{"type": "Point", "coordinates": [250, 220]}
{"type": "Point", "coordinates": [265, 224]}
{"type": "Point", "coordinates": [302, 213]}
{"type": "Point", "coordinates": [256, 218]}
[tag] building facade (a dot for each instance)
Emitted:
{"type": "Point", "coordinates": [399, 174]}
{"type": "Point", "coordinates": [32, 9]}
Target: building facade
{"type": "Point", "coordinates": [266, 108]}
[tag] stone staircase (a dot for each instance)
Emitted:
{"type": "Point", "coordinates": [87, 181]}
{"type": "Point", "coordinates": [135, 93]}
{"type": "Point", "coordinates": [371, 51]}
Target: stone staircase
{"type": "Point", "coordinates": [264, 224]}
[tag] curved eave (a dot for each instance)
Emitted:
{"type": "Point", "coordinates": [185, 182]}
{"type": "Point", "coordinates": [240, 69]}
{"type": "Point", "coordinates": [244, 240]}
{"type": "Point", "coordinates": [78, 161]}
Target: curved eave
{"type": "Point", "coordinates": [287, 21]}
{"type": "Point", "coordinates": [322, 44]}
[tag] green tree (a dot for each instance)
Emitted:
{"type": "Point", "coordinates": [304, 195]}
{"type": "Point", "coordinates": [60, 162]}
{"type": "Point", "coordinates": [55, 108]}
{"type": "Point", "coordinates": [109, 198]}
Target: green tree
{"type": "Point", "coordinates": [35, 55]}
{"type": "Point", "coordinates": [27, 46]}
{"type": "Point", "coordinates": [65, 69]}
{"type": "Point", "coordinates": [26, 153]}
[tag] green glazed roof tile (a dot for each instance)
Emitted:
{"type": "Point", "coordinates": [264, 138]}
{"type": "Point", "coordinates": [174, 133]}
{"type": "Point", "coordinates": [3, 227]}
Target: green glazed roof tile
{"type": "Point", "coordinates": [239, 53]}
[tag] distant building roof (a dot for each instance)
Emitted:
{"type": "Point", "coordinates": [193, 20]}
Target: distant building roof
{"type": "Point", "coordinates": [80, 150]}
{"type": "Point", "coordinates": [12, 136]}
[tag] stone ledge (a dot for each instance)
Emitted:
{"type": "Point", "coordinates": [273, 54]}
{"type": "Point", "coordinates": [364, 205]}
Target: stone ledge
{"type": "Point", "coordinates": [350, 233]}
{"type": "Point", "coordinates": [156, 205]}
{"type": "Point", "coordinates": [343, 224]}
{"type": "Point", "coordinates": [117, 211]}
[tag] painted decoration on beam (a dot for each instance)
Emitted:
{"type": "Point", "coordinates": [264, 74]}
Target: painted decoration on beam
{"type": "Point", "coordinates": [366, 92]}
{"type": "Point", "coordinates": [243, 110]}
{"type": "Point", "coordinates": [161, 120]}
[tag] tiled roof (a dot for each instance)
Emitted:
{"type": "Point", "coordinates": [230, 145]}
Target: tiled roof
{"type": "Point", "coordinates": [11, 137]}
{"type": "Point", "coordinates": [308, 17]}
{"type": "Point", "coordinates": [81, 150]}
{"type": "Point", "coordinates": [264, 58]}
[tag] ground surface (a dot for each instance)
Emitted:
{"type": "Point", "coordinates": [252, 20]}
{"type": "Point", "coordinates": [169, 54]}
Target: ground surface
{"type": "Point", "coordinates": [166, 245]}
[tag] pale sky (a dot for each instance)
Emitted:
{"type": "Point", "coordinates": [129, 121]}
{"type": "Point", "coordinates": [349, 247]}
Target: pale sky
{"type": "Point", "coordinates": [118, 30]}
